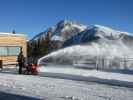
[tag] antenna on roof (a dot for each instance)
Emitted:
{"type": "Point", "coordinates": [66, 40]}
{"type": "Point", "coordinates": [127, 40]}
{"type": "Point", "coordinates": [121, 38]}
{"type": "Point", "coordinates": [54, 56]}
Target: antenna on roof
{"type": "Point", "coordinates": [13, 32]}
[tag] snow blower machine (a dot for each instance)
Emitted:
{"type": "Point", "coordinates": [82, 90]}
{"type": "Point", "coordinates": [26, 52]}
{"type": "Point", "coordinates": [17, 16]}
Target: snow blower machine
{"type": "Point", "coordinates": [31, 69]}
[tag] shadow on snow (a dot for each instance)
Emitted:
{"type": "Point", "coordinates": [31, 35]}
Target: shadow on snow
{"type": "Point", "coordinates": [9, 96]}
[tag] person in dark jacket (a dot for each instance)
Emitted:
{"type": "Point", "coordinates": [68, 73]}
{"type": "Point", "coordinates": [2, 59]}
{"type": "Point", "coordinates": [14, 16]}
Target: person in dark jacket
{"type": "Point", "coordinates": [21, 61]}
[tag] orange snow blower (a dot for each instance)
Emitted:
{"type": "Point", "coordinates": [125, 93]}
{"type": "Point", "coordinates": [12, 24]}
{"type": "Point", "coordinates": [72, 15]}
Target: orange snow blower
{"type": "Point", "coordinates": [31, 69]}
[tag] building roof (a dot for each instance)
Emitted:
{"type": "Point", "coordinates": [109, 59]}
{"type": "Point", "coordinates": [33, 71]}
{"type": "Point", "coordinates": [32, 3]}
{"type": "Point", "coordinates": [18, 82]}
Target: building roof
{"type": "Point", "coordinates": [11, 34]}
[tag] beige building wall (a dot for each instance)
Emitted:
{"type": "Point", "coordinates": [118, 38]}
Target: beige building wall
{"type": "Point", "coordinates": [9, 39]}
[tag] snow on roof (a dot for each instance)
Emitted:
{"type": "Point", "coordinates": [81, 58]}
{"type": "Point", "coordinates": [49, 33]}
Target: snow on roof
{"type": "Point", "coordinates": [11, 34]}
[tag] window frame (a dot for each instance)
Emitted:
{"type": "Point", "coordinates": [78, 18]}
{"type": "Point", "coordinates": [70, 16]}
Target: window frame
{"type": "Point", "coordinates": [8, 52]}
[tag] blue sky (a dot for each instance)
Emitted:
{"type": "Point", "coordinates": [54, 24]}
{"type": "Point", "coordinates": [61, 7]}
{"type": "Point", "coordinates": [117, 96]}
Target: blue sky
{"type": "Point", "coordinates": [34, 16]}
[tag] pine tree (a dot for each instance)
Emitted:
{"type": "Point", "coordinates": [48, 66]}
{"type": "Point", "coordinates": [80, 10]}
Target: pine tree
{"type": "Point", "coordinates": [45, 44]}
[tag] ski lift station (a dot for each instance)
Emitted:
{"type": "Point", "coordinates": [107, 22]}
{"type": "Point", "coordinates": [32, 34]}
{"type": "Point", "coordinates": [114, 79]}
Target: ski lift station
{"type": "Point", "coordinates": [10, 44]}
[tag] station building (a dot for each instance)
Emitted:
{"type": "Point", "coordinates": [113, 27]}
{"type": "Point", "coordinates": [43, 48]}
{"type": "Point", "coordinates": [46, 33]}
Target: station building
{"type": "Point", "coordinates": [10, 45]}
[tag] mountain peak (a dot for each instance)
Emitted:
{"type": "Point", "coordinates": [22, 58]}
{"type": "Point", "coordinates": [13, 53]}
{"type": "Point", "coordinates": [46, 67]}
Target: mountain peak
{"type": "Point", "coordinates": [66, 22]}
{"type": "Point", "coordinates": [64, 28]}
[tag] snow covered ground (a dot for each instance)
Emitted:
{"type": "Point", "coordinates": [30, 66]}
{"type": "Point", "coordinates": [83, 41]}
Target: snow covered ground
{"type": "Point", "coordinates": [119, 79]}
{"type": "Point", "coordinates": [28, 87]}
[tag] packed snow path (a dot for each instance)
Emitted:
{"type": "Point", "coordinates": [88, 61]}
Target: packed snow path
{"type": "Point", "coordinates": [27, 87]}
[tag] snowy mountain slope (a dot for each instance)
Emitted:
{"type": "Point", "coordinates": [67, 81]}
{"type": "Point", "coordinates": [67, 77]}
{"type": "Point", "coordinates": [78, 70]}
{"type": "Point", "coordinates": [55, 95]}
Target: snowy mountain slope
{"type": "Point", "coordinates": [72, 32]}
{"type": "Point", "coordinates": [96, 32]}
{"type": "Point", "coordinates": [93, 43]}
{"type": "Point", "coordinates": [63, 30]}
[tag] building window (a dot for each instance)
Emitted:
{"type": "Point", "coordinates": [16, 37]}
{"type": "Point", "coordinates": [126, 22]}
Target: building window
{"type": "Point", "coordinates": [13, 50]}
{"type": "Point", "coordinates": [3, 51]}
{"type": "Point", "coordinates": [9, 50]}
